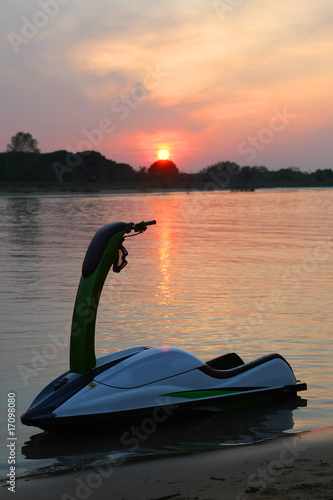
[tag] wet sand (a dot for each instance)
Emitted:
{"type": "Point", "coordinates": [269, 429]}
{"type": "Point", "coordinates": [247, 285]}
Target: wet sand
{"type": "Point", "coordinates": [294, 467]}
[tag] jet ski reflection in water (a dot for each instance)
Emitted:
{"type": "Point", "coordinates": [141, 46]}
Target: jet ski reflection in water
{"type": "Point", "coordinates": [207, 431]}
{"type": "Point", "coordinates": [142, 380]}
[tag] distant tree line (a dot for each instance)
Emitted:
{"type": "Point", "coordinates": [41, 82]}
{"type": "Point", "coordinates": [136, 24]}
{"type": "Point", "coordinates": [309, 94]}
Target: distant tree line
{"type": "Point", "coordinates": [230, 175]}
{"type": "Point", "coordinates": [24, 166]}
{"type": "Point", "coordinates": [62, 167]}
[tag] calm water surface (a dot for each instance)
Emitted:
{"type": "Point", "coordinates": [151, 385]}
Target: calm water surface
{"type": "Point", "coordinates": [220, 272]}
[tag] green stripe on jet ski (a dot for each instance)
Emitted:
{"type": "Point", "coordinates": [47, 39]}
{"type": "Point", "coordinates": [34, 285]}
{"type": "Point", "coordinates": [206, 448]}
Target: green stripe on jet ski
{"type": "Point", "coordinates": [208, 393]}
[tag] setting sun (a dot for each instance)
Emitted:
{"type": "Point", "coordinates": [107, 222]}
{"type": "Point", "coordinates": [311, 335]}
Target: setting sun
{"type": "Point", "coordinates": [163, 154]}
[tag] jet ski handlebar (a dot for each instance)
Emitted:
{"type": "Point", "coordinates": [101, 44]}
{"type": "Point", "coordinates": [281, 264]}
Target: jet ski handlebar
{"type": "Point", "coordinates": [140, 227]}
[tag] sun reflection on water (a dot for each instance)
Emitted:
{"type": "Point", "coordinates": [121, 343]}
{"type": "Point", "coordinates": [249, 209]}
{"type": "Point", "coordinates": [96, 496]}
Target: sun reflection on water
{"type": "Point", "coordinates": [164, 289]}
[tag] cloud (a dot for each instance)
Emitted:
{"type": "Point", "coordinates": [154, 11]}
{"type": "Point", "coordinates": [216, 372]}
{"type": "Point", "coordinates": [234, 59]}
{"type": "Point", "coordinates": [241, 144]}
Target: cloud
{"type": "Point", "coordinates": [222, 74]}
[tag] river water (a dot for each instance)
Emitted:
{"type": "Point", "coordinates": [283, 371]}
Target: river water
{"type": "Point", "coordinates": [250, 272]}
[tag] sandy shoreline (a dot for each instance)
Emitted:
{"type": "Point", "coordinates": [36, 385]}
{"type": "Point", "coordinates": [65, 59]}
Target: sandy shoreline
{"type": "Point", "coordinates": [297, 466]}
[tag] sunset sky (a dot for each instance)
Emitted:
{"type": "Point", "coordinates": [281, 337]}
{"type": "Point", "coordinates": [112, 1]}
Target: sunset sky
{"type": "Point", "coordinates": [244, 80]}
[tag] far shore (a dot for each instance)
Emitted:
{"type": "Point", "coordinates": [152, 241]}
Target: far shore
{"type": "Point", "coordinates": [70, 190]}
{"type": "Point", "coordinates": [86, 191]}
{"type": "Point", "coordinates": [296, 466]}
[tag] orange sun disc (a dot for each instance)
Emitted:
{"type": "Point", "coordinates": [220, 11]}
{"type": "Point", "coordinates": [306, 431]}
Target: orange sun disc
{"type": "Point", "coordinates": [163, 154]}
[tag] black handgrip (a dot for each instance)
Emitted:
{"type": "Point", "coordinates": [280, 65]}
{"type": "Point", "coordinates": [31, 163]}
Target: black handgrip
{"type": "Point", "coordinates": [142, 226]}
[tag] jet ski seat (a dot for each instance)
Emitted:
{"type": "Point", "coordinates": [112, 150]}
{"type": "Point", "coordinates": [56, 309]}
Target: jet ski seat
{"type": "Point", "coordinates": [226, 361]}
{"type": "Point", "coordinates": [217, 367]}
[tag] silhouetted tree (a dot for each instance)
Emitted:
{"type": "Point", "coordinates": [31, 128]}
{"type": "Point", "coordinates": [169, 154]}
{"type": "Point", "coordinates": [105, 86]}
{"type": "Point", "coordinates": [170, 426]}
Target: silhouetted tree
{"type": "Point", "coordinates": [23, 143]}
{"type": "Point", "coordinates": [26, 168]}
{"type": "Point", "coordinates": [163, 173]}
{"type": "Point", "coordinates": [163, 169]}
{"type": "Point", "coordinates": [222, 174]}
{"type": "Point", "coordinates": [142, 174]}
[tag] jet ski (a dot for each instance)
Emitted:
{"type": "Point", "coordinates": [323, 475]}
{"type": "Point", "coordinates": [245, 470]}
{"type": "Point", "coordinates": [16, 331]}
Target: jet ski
{"type": "Point", "coordinates": [142, 381]}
